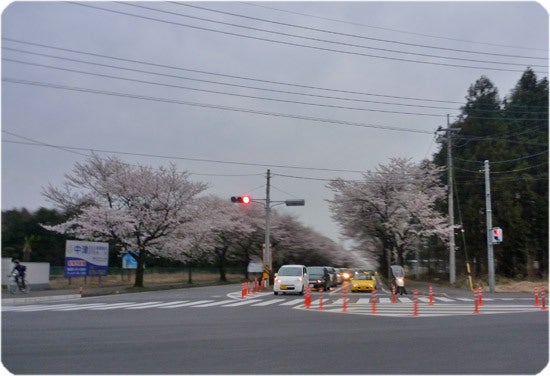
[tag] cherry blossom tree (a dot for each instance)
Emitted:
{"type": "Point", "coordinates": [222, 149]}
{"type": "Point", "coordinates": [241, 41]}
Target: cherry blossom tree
{"type": "Point", "coordinates": [137, 207]}
{"type": "Point", "coordinates": [392, 208]}
{"type": "Point", "coordinates": [214, 234]}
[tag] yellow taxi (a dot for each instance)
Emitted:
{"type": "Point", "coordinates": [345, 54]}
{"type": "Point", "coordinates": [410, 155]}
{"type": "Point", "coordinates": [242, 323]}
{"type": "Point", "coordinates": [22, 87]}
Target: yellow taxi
{"type": "Point", "coordinates": [363, 282]}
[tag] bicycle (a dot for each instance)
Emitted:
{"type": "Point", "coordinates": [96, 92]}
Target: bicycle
{"type": "Point", "coordinates": [16, 284]}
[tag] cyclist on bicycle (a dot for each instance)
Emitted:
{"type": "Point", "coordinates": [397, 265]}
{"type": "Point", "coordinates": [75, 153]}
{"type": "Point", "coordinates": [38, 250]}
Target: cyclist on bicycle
{"type": "Point", "coordinates": [20, 277]}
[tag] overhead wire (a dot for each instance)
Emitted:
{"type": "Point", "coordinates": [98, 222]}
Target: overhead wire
{"type": "Point", "coordinates": [239, 77]}
{"type": "Point", "coordinates": [326, 105]}
{"type": "Point", "coordinates": [291, 43]}
{"type": "Point", "coordinates": [340, 33]}
{"type": "Point", "coordinates": [212, 106]}
{"type": "Point", "coordinates": [333, 42]}
{"type": "Point", "coordinates": [408, 32]}
{"type": "Point", "coordinates": [217, 91]}
{"type": "Point", "coordinates": [226, 75]}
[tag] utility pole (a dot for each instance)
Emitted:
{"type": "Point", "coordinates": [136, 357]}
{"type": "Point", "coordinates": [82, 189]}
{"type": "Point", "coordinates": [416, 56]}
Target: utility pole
{"type": "Point", "coordinates": [450, 194]}
{"type": "Point", "coordinates": [489, 221]}
{"type": "Point", "coordinates": [452, 263]}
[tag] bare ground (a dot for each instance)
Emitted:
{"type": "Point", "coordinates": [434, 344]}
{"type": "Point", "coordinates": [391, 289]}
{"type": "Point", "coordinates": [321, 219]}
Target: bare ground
{"type": "Point", "coordinates": [521, 286]}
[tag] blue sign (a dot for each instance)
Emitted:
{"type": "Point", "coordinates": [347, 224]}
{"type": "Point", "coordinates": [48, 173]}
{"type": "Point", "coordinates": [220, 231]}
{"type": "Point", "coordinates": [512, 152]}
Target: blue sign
{"type": "Point", "coordinates": [83, 259]}
{"type": "Point", "coordinates": [129, 262]}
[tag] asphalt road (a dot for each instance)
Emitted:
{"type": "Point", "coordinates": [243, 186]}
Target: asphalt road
{"type": "Point", "coordinates": [260, 339]}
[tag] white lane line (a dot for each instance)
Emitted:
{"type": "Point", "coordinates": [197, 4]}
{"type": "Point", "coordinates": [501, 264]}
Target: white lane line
{"type": "Point", "coordinates": [219, 302]}
{"type": "Point", "coordinates": [187, 304]}
{"type": "Point", "coordinates": [293, 302]}
{"type": "Point", "coordinates": [269, 302]}
{"type": "Point", "coordinates": [443, 299]}
{"type": "Point", "coordinates": [242, 303]}
{"type": "Point", "coordinates": [363, 301]}
{"type": "Point", "coordinates": [113, 306]}
{"type": "Point", "coordinates": [144, 305]}
{"type": "Point", "coordinates": [82, 306]}
{"type": "Point", "coordinates": [36, 307]}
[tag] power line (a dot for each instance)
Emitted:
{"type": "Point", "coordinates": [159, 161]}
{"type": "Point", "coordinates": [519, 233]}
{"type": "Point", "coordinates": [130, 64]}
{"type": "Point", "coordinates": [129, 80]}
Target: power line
{"type": "Point", "coordinates": [148, 63]}
{"type": "Point", "coordinates": [224, 93]}
{"type": "Point", "coordinates": [505, 161]}
{"type": "Point", "coordinates": [220, 83]}
{"type": "Point", "coordinates": [220, 74]}
{"type": "Point", "coordinates": [211, 106]}
{"type": "Point", "coordinates": [202, 160]}
{"type": "Point", "coordinates": [339, 33]}
{"type": "Point", "coordinates": [294, 44]}
{"type": "Point", "coordinates": [198, 80]}
{"type": "Point", "coordinates": [390, 29]}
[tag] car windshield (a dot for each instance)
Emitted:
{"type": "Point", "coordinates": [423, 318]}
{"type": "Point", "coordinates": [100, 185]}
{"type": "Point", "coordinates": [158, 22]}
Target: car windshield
{"type": "Point", "coordinates": [364, 277]}
{"type": "Point", "coordinates": [290, 271]}
{"type": "Point", "coordinates": [315, 270]}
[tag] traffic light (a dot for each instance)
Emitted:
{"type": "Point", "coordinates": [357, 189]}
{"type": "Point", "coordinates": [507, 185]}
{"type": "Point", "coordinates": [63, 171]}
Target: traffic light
{"type": "Point", "coordinates": [497, 235]}
{"type": "Point", "coordinates": [241, 199]}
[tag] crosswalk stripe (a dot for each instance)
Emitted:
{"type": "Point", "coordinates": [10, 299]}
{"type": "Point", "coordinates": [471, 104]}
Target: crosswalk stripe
{"type": "Point", "coordinates": [187, 304]}
{"type": "Point", "coordinates": [403, 308]}
{"type": "Point", "coordinates": [220, 302]}
{"type": "Point", "coordinates": [268, 302]}
{"type": "Point", "coordinates": [443, 299]}
{"type": "Point", "coordinates": [81, 306]}
{"type": "Point", "coordinates": [293, 302]}
{"type": "Point", "coordinates": [112, 306]}
{"type": "Point", "coordinates": [143, 305]}
{"type": "Point", "coordinates": [242, 303]}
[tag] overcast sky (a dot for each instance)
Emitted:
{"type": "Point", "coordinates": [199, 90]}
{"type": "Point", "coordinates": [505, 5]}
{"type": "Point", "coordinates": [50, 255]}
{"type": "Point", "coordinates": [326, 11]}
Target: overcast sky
{"type": "Point", "coordinates": [226, 90]}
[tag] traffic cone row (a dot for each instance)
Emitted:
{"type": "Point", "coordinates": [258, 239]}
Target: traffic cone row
{"type": "Point", "coordinates": [248, 288]}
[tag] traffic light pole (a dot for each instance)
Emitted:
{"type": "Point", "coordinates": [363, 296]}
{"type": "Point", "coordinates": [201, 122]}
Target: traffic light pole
{"type": "Point", "coordinates": [267, 256]}
{"type": "Point", "coordinates": [489, 221]}
{"type": "Point", "coordinates": [267, 249]}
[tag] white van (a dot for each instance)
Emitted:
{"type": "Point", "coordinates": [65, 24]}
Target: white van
{"type": "Point", "coordinates": [291, 278]}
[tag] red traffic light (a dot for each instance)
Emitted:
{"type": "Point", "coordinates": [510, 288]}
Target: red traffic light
{"type": "Point", "coordinates": [242, 199]}
{"type": "Point", "coordinates": [497, 235]}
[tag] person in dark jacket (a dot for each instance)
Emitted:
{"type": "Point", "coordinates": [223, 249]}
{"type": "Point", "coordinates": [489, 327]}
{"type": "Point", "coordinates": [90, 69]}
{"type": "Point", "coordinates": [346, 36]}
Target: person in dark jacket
{"type": "Point", "coordinates": [21, 272]}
